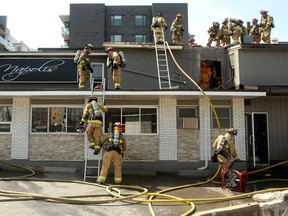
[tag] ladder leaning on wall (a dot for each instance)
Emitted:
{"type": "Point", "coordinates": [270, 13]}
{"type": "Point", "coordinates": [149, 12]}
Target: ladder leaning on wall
{"type": "Point", "coordinates": [162, 63]}
{"type": "Point", "coordinates": [91, 161]}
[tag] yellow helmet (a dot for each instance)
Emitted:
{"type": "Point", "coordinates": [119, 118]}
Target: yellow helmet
{"type": "Point", "coordinates": [233, 131]}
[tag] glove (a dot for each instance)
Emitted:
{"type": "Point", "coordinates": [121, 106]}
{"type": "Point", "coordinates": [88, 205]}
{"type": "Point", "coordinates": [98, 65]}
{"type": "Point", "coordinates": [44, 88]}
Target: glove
{"type": "Point", "coordinates": [91, 70]}
{"type": "Point", "coordinates": [115, 66]}
{"type": "Point", "coordinates": [96, 152]}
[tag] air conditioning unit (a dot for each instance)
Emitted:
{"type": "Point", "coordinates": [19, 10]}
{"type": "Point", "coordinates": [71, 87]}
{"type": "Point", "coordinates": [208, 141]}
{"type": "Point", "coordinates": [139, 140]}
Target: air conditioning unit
{"type": "Point", "coordinates": [190, 123]}
{"type": "Point", "coordinates": [274, 40]}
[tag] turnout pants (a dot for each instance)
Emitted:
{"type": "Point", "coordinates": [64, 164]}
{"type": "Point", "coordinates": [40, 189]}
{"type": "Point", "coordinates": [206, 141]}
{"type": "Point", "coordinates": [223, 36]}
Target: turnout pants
{"type": "Point", "coordinates": [108, 157]}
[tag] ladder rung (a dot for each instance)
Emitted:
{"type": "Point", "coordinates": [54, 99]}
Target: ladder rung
{"type": "Point", "coordinates": [92, 167]}
{"type": "Point", "coordinates": [92, 177]}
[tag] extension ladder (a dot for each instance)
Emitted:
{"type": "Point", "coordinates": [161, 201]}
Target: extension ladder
{"type": "Point", "coordinates": [91, 161]}
{"type": "Point", "coordinates": [162, 63]}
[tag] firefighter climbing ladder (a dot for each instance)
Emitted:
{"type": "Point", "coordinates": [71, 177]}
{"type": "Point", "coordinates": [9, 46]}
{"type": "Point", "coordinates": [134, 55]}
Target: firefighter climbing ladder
{"type": "Point", "coordinates": [88, 155]}
{"type": "Point", "coordinates": [162, 63]}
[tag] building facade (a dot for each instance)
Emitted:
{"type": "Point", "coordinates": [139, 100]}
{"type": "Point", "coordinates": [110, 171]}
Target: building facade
{"type": "Point", "coordinates": [166, 130]}
{"type": "Point", "coordinates": [117, 23]}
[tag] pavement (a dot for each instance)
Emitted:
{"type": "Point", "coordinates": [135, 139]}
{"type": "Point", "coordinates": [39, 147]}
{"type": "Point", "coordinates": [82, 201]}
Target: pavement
{"type": "Point", "coordinates": [97, 201]}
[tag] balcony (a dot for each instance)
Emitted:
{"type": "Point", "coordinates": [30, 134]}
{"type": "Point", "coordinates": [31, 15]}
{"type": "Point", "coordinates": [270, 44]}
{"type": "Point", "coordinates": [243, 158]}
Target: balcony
{"type": "Point", "coordinates": [65, 33]}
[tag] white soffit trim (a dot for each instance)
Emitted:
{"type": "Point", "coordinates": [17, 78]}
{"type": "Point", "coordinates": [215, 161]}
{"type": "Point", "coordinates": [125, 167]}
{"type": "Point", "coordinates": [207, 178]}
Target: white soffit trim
{"type": "Point", "coordinates": [134, 93]}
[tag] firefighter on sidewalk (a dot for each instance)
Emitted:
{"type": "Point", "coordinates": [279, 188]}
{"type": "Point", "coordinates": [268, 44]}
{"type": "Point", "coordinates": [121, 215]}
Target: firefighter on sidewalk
{"type": "Point", "coordinates": [224, 147]}
{"type": "Point", "coordinates": [92, 117]}
{"type": "Point", "coordinates": [114, 64]}
{"type": "Point", "coordinates": [114, 145]}
{"type": "Point", "coordinates": [84, 65]}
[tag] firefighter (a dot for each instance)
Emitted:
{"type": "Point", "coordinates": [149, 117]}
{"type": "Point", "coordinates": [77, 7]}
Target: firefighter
{"type": "Point", "coordinates": [235, 26]}
{"type": "Point", "coordinates": [84, 65]}
{"type": "Point", "coordinates": [177, 29]}
{"type": "Point", "coordinates": [224, 147]}
{"type": "Point", "coordinates": [225, 33]}
{"type": "Point", "coordinates": [114, 64]}
{"type": "Point", "coordinates": [158, 25]}
{"type": "Point", "coordinates": [266, 24]}
{"type": "Point", "coordinates": [115, 146]}
{"type": "Point", "coordinates": [92, 117]}
{"type": "Point", "coordinates": [214, 34]}
{"type": "Point", "coordinates": [255, 32]}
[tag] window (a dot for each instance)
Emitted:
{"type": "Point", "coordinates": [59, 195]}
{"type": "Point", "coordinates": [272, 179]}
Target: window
{"type": "Point", "coordinates": [140, 20]}
{"type": "Point", "coordinates": [116, 38]}
{"type": "Point", "coordinates": [224, 116]}
{"type": "Point", "coordinates": [187, 117]}
{"type": "Point", "coordinates": [211, 75]}
{"type": "Point", "coordinates": [98, 70]}
{"type": "Point", "coordinates": [140, 38]}
{"type": "Point", "coordinates": [116, 20]}
{"type": "Point", "coordinates": [134, 120]}
{"type": "Point", "coordinates": [55, 119]}
{"type": "Point", "coordinates": [5, 118]}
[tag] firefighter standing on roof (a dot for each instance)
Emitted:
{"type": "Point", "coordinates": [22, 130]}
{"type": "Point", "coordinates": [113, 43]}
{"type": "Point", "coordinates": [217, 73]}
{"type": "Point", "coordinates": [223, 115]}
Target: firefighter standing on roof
{"type": "Point", "coordinates": [235, 26]}
{"type": "Point", "coordinates": [84, 65]}
{"type": "Point", "coordinates": [214, 34]}
{"type": "Point", "coordinates": [93, 116]}
{"type": "Point", "coordinates": [177, 29]}
{"type": "Point", "coordinates": [224, 147]}
{"type": "Point", "coordinates": [158, 25]}
{"type": "Point", "coordinates": [225, 33]}
{"type": "Point", "coordinates": [114, 64]}
{"type": "Point", "coordinates": [255, 32]}
{"type": "Point", "coordinates": [266, 24]}
{"type": "Point", "coordinates": [115, 146]}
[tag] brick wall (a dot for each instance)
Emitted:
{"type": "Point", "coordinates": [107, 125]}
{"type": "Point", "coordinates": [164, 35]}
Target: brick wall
{"type": "Point", "coordinates": [20, 127]}
{"type": "Point", "coordinates": [56, 147]}
{"type": "Point", "coordinates": [205, 137]}
{"type": "Point", "coordinates": [142, 147]}
{"type": "Point", "coordinates": [239, 123]}
{"type": "Point", "coordinates": [167, 129]}
{"type": "Point", "coordinates": [5, 146]}
{"type": "Point", "coordinates": [187, 144]}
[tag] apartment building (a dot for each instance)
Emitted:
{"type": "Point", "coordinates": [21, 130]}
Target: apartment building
{"type": "Point", "coordinates": [102, 23]}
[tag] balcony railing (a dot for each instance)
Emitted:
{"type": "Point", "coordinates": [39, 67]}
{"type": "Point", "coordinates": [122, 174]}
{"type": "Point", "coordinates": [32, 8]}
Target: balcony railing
{"type": "Point", "coordinates": [65, 31]}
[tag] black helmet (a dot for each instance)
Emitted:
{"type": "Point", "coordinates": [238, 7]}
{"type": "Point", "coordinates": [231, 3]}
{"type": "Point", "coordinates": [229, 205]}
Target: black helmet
{"type": "Point", "coordinates": [92, 98]}
{"type": "Point", "coordinates": [87, 46]}
{"type": "Point", "coordinates": [216, 24]}
{"type": "Point", "coordinates": [225, 21]}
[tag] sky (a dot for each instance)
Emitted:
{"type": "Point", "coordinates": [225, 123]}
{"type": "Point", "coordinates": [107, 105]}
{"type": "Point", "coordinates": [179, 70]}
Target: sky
{"type": "Point", "coordinates": [37, 22]}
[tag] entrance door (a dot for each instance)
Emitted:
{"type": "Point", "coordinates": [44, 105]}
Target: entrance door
{"type": "Point", "coordinates": [257, 140]}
